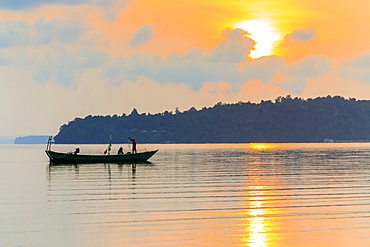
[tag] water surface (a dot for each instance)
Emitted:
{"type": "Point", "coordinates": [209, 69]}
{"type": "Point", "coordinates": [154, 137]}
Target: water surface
{"type": "Point", "coordinates": [189, 195]}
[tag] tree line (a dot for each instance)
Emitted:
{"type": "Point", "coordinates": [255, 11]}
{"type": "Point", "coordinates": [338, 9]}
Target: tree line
{"type": "Point", "coordinates": [286, 119]}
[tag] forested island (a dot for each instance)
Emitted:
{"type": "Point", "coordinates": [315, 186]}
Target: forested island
{"type": "Point", "coordinates": [286, 119]}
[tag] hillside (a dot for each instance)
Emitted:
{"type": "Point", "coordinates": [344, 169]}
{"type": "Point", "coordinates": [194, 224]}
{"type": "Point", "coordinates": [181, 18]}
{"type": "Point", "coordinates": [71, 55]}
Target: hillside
{"type": "Point", "coordinates": [285, 120]}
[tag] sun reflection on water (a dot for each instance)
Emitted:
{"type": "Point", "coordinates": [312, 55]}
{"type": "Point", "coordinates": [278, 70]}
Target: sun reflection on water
{"type": "Point", "coordinates": [261, 146]}
{"type": "Point", "coordinates": [259, 223]}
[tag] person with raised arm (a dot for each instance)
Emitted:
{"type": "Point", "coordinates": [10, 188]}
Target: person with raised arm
{"type": "Point", "coordinates": [133, 145]}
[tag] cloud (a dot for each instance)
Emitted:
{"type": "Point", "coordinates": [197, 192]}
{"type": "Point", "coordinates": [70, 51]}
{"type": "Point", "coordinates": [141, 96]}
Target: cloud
{"type": "Point", "coordinates": [18, 33]}
{"type": "Point", "coordinates": [64, 65]}
{"type": "Point", "coordinates": [53, 50]}
{"type": "Point", "coordinates": [361, 61]}
{"type": "Point", "coordinates": [294, 85]}
{"type": "Point", "coordinates": [310, 66]}
{"type": "Point", "coordinates": [301, 35]}
{"type": "Point", "coordinates": [14, 32]}
{"type": "Point", "coordinates": [61, 65]}
{"type": "Point", "coordinates": [110, 7]}
{"type": "Point", "coordinates": [26, 4]}
{"type": "Point", "coordinates": [4, 60]}
{"type": "Point", "coordinates": [221, 63]}
{"type": "Point", "coordinates": [299, 73]}
{"type": "Point", "coordinates": [227, 62]}
{"type": "Point", "coordinates": [142, 34]}
{"type": "Point", "coordinates": [63, 31]}
{"type": "Point", "coordinates": [234, 49]}
{"type": "Point", "coordinates": [358, 68]}
{"type": "Point", "coordinates": [264, 68]}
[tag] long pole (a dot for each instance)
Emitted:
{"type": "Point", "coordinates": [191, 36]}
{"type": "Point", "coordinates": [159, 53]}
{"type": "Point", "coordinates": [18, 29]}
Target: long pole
{"type": "Point", "coordinates": [48, 145]}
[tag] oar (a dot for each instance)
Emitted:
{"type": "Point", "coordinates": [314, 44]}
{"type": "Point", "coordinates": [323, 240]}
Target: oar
{"type": "Point", "coordinates": [129, 146]}
{"type": "Point", "coordinates": [64, 156]}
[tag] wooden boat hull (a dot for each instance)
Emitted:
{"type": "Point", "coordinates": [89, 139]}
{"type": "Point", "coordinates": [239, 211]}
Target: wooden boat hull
{"type": "Point", "coordinates": [81, 158]}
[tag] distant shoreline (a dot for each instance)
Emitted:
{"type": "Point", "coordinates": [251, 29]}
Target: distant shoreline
{"type": "Point", "coordinates": [31, 139]}
{"type": "Point", "coordinates": [181, 143]}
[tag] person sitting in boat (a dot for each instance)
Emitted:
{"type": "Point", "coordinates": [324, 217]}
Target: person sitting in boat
{"type": "Point", "coordinates": [133, 145]}
{"type": "Point", "coordinates": [120, 151]}
{"type": "Point", "coordinates": [77, 150]}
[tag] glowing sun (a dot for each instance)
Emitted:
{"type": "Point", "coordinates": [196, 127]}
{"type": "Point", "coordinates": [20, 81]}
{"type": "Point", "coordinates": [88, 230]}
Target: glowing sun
{"type": "Point", "coordinates": [263, 34]}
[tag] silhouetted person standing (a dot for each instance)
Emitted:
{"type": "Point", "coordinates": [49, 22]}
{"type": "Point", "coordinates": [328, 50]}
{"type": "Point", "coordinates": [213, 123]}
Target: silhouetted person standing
{"type": "Point", "coordinates": [133, 145]}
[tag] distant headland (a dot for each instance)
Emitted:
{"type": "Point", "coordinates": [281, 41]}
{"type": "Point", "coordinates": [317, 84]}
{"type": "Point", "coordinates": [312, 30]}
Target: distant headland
{"type": "Point", "coordinates": [32, 139]}
{"type": "Point", "coordinates": [286, 119]}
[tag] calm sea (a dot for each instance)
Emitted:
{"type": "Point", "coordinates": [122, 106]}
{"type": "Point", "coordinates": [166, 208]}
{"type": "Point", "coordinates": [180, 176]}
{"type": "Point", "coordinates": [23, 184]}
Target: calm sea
{"type": "Point", "coordinates": [189, 195]}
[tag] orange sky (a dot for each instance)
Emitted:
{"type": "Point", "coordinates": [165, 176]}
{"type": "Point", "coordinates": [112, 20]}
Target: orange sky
{"type": "Point", "coordinates": [95, 57]}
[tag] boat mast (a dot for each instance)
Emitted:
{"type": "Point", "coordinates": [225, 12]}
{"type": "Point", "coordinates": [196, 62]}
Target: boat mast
{"type": "Point", "coordinates": [48, 145]}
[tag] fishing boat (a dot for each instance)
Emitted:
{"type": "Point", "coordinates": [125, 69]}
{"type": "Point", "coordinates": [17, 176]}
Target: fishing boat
{"type": "Point", "coordinates": [75, 157]}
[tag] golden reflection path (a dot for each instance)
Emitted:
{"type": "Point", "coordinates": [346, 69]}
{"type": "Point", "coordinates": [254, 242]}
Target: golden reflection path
{"type": "Point", "coordinates": [253, 146]}
{"type": "Point", "coordinates": [261, 222]}
{"type": "Point", "coordinates": [258, 228]}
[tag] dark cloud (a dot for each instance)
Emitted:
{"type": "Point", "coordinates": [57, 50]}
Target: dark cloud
{"type": "Point", "coordinates": [301, 35]}
{"type": "Point", "coordinates": [142, 34]}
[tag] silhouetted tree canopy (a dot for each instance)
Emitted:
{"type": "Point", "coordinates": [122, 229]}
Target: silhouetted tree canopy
{"type": "Point", "coordinates": [285, 120]}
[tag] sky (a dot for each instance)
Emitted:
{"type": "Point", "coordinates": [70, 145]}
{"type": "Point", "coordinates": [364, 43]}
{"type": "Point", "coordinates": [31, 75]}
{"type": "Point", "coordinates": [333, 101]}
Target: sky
{"type": "Point", "coordinates": [62, 59]}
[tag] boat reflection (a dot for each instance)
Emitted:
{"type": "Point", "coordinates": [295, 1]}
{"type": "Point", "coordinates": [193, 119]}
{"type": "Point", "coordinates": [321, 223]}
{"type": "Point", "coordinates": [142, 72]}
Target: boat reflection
{"type": "Point", "coordinates": [96, 168]}
{"type": "Point", "coordinates": [51, 163]}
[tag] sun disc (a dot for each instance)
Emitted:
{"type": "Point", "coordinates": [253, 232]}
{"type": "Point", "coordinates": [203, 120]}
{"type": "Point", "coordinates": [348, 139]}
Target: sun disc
{"type": "Point", "coordinates": [263, 34]}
